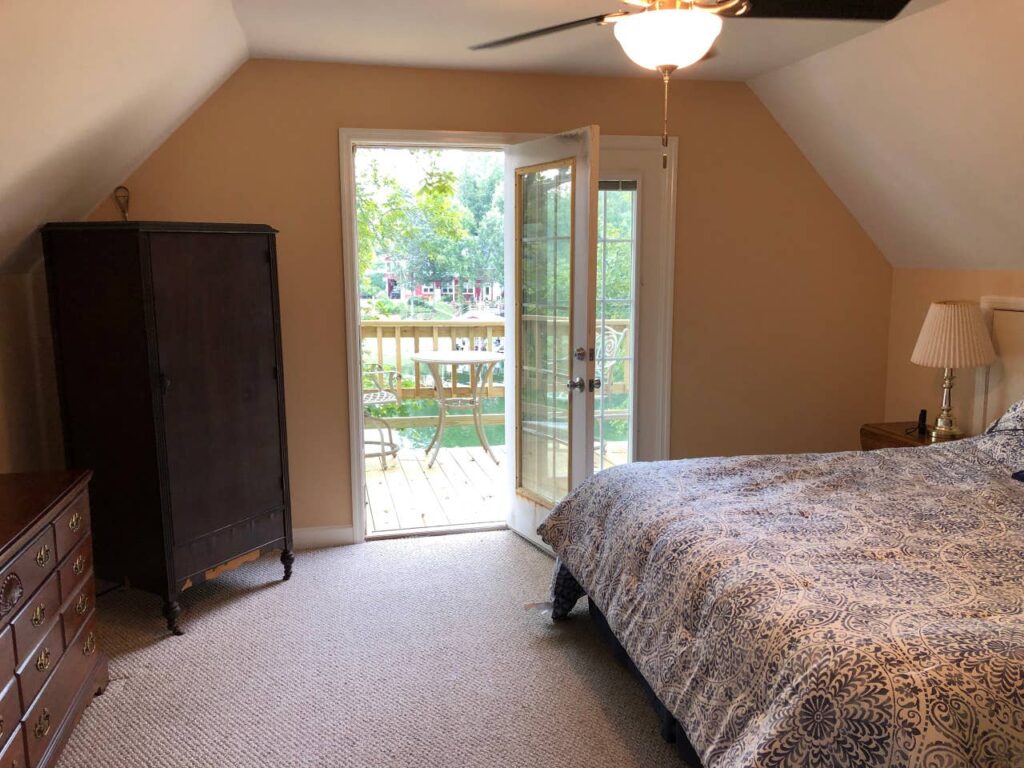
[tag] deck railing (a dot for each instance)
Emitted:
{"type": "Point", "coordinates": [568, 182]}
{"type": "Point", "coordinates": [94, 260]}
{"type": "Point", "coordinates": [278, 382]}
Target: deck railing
{"type": "Point", "coordinates": [392, 342]}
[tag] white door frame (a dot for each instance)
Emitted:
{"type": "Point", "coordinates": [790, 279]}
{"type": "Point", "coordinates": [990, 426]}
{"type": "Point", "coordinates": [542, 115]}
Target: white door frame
{"type": "Point", "coordinates": [655, 264]}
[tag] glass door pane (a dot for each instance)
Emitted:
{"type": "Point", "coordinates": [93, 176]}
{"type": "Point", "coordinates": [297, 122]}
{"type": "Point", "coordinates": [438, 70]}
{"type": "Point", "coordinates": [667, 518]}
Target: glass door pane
{"type": "Point", "coordinates": [550, 240]}
{"type": "Point", "coordinates": [616, 278]}
{"type": "Point", "coordinates": [544, 245]}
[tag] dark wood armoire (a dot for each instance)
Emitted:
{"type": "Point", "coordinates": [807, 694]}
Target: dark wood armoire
{"type": "Point", "coordinates": [168, 351]}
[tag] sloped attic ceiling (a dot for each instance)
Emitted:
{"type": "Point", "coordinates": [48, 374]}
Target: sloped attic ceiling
{"type": "Point", "coordinates": [918, 127]}
{"type": "Point", "coordinates": [89, 90]}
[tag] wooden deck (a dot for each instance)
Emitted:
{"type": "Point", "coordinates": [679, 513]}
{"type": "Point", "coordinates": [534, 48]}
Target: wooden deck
{"type": "Point", "coordinates": [464, 489]}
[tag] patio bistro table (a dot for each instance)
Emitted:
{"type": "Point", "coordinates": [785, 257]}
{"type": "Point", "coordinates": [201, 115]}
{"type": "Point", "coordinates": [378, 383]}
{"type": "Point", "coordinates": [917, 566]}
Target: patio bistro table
{"type": "Point", "coordinates": [480, 365]}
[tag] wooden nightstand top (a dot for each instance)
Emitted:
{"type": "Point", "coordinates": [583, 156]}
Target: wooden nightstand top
{"type": "Point", "coordinates": [894, 434]}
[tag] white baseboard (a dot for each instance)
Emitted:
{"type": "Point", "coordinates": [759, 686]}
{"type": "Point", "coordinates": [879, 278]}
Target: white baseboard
{"type": "Point", "coordinates": [319, 536]}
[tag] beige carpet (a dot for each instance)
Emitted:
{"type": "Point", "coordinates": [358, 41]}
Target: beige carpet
{"type": "Point", "coordinates": [414, 652]}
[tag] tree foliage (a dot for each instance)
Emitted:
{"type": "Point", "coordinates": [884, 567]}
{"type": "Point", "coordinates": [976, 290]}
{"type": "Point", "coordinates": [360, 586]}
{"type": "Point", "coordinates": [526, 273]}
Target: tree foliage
{"type": "Point", "coordinates": [444, 225]}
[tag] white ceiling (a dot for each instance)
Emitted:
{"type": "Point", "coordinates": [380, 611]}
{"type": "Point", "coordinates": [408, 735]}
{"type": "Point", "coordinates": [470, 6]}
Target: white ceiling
{"type": "Point", "coordinates": [918, 127]}
{"type": "Point", "coordinates": [438, 33]}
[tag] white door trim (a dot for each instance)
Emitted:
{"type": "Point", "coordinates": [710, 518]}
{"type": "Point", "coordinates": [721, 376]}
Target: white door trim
{"type": "Point", "coordinates": [639, 158]}
{"type": "Point", "coordinates": [656, 289]}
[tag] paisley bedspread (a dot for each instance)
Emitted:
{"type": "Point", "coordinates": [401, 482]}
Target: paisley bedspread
{"type": "Point", "coordinates": [848, 609]}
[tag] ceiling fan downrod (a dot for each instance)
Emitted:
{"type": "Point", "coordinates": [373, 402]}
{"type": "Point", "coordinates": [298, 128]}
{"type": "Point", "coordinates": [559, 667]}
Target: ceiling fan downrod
{"type": "Point", "coordinates": [666, 73]}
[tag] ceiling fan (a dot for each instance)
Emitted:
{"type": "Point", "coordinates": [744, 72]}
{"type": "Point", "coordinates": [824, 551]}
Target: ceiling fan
{"type": "Point", "coordinates": [666, 35]}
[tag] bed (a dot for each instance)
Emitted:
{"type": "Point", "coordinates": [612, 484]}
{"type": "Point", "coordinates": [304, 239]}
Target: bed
{"type": "Point", "coordinates": [847, 609]}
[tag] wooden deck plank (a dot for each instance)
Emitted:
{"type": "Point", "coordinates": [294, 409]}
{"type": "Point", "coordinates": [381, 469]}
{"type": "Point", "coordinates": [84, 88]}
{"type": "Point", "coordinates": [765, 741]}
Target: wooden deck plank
{"type": "Point", "coordinates": [424, 501]}
{"type": "Point", "coordinates": [477, 466]}
{"type": "Point", "coordinates": [449, 495]}
{"type": "Point", "coordinates": [463, 488]}
{"type": "Point", "coordinates": [380, 503]}
{"type": "Point", "coordinates": [407, 510]}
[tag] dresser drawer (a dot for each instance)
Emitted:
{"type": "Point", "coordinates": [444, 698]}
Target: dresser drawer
{"type": "Point", "coordinates": [36, 669]}
{"type": "Point", "coordinates": [43, 719]}
{"type": "Point", "coordinates": [75, 569]}
{"type": "Point", "coordinates": [78, 607]}
{"type": "Point", "coordinates": [7, 659]}
{"type": "Point", "coordinates": [35, 618]}
{"type": "Point", "coordinates": [22, 577]}
{"type": "Point", "coordinates": [72, 525]}
{"type": "Point", "coordinates": [10, 710]}
{"type": "Point", "coordinates": [13, 755]}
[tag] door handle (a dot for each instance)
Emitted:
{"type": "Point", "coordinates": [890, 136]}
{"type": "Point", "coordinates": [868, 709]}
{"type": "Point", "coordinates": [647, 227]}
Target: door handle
{"type": "Point", "coordinates": [595, 384]}
{"type": "Point", "coordinates": [576, 383]}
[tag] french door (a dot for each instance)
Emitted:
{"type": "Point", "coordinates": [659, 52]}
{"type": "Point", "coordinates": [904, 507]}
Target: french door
{"type": "Point", "coordinates": [550, 251]}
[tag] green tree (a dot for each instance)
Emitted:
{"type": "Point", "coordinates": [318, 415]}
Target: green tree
{"type": "Point", "coordinates": [481, 190]}
{"type": "Point", "coordinates": [615, 265]}
{"type": "Point", "coordinates": [382, 213]}
{"type": "Point", "coordinates": [445, 224]}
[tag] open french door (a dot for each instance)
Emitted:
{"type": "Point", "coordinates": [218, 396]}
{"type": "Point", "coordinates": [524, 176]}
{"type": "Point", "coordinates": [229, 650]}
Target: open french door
{"type": "Point", "coordinates": [551, 187]}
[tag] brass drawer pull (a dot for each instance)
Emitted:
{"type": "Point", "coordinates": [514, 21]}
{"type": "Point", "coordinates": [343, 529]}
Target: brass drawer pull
{"type": "Point", "coordinates": [75, 522]}
{"type": "Point", "coordinates": [79, 566]}
{"type": "Point", "coordinates": [89, 646]}
{"type": "Point", "coordinates": [43, 555]}
{"type": "Point", "coordinates": [38, 615]}
{"type": "Point", "coordinates": [82, 605]}
{"type": "Point", "coordinates": [43, 662]}
{"type": "Point", "coordinates": [43, 724]}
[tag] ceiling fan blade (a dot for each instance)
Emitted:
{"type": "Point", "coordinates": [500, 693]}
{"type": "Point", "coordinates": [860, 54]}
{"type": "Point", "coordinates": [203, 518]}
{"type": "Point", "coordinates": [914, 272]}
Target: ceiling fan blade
{"type": "Point", "coordinates": [547, 31]}
{"type": "Point", "coordinates": [862, 10]}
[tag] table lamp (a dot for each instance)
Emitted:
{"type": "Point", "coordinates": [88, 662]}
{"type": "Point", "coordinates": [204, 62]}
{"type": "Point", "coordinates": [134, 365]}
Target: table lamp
{"type": "Point", "coordinates": [953, 336]}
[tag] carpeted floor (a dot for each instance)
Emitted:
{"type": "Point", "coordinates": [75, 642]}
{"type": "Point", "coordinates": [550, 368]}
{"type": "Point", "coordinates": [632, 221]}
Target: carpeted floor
{"type": "Point", "coordinates": [413, 652]}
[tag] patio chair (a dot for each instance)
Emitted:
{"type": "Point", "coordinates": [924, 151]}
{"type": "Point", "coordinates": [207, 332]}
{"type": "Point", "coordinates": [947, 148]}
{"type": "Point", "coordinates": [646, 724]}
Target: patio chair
{"type": "Point", "coordinates": [609, 345]}
{"type": "Point", "coordinates": [380, 387]}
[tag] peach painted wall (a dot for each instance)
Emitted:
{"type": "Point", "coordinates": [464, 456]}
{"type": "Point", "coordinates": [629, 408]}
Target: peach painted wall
{"type": "Point", "coordinates": [781, 311]}
{"type": "Point", "coordinates": [910, 387]}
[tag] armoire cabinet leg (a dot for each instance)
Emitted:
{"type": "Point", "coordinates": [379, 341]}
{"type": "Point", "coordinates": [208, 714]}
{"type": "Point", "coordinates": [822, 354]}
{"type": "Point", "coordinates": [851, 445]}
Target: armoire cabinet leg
{"type": "Point", "coordinates": [171, 612]}
{"type": "Point", "coordinates": [287, 558]}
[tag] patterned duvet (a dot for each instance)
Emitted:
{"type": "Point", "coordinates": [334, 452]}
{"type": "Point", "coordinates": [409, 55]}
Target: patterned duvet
{"type": "Point", "coordinates": [850, 609]}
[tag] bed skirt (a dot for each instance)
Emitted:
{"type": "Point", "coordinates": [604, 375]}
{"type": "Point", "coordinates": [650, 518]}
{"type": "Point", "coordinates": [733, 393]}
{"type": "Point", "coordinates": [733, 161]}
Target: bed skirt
{"type": "Point", "coordinates": [671, 731]}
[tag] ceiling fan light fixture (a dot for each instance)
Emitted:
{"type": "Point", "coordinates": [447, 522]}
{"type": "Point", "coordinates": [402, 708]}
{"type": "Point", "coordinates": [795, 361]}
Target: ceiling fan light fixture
{"type": "Point", "coordinates": [670, 37]}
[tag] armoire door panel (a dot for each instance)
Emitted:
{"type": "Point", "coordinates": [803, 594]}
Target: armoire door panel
{"type": "Point", "coordinates": [213, 301]}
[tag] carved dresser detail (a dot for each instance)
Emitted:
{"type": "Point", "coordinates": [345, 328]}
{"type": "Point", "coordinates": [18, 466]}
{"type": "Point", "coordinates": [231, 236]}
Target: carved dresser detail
{"type": "Point", "coordinates": [50, 664]}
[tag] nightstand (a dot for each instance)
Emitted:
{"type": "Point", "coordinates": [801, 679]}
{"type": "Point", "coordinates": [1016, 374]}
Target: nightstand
{"type": "Point", "coordinates": [896, 434]}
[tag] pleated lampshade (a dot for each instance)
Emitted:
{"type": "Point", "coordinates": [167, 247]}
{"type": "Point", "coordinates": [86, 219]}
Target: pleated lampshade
{"type": "Point", "coordinates": [954, 336]}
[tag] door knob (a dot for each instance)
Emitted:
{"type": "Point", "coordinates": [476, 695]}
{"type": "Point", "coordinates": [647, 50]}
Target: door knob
{"type": "Point", "coordinates": [595, 384]}
{"type": "Point", "coordinates": [576, 383]}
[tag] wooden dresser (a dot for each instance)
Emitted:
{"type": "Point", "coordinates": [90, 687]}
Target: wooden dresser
{"type": "Point", "coordinates": [50, 664]}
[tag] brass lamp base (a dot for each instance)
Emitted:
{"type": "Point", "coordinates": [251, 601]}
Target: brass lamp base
{"type": "Point", "coordinates": [945, 426]}
{"type": "Point", "coordinates": [945, 433]}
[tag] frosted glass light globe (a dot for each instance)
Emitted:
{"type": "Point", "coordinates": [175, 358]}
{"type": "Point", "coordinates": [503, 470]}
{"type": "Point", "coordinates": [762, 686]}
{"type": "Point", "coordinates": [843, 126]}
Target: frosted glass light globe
{"type": "Point", "coordinates": [672, 37]}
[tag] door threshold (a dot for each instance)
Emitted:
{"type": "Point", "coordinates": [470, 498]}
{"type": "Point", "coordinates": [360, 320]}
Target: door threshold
{"type": "Point", "coordinates": [441, 530]}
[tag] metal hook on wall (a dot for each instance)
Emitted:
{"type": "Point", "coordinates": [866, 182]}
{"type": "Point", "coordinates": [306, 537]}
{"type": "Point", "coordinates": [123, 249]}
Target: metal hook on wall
{"type": "Point", "coordinates": [123, 199]}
